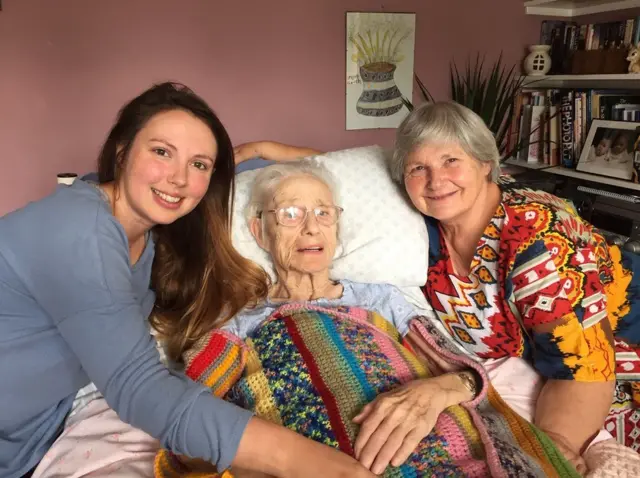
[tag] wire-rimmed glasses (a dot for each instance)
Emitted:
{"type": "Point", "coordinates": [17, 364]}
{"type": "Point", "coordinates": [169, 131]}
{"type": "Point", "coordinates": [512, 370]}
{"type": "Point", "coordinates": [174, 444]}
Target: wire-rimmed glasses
{"type": "Point", "coordinates": [292, 216]}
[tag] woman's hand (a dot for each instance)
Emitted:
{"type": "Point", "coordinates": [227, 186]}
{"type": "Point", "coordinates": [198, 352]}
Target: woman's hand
{"type": "Point", "coordinates": [267, 449]}
{"type": "Point", "coordinates": [271, 150]}
{"type": "Point", "coordinates": [572, 413]}
{"type": "Point", "coordinates": [572, 456]}
{"type": "Point", "coordinates": [393, 424]}
{"type": "Point", "coordinates": [247, 151]}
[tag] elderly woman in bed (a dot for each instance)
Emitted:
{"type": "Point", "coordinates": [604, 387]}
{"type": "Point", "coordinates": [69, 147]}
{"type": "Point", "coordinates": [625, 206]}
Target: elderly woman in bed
{"type": "Point", "coordinates": [540, 283]}
{"type": "Point", "coordinates": [293, 216]}
{"type": "Point", "coordinates": [516, 273]}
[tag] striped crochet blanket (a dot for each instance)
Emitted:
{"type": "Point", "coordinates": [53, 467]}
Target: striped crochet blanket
{"type": "Point", "coordinates": [312, 370]}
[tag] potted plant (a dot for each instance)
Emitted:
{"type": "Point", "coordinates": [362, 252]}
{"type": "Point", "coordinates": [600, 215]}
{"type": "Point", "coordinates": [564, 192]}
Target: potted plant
{"type": "Point", "coordinates": [491, 94]}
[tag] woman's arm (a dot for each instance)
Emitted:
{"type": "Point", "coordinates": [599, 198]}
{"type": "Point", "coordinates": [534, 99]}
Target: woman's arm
{"type": "Point", "coordinates": [274, 450]}
{"type": "Point", "coordinates": [565, 317]}
{"type": "Point", "coordinates": [573, 412]}
{"type": "Point", "coordinates": [393, 424]}
{"type": "Point", "coordinates": [271, 150]}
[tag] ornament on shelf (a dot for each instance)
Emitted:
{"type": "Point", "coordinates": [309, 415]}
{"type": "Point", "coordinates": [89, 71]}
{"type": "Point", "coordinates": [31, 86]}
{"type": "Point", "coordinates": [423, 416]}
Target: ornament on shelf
{"type": "Point", "coordinates": [538, 62]}
{"type": "Point", "coordinates": [634, 58]}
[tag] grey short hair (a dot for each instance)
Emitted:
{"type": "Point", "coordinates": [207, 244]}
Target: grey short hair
{"type": "Point", "coordinates": [444, 122]}
{"type": "Point", "coordinates": [269, 179]}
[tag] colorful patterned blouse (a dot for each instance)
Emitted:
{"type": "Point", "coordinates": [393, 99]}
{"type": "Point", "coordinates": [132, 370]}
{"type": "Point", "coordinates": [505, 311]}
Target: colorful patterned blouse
{"type": "Point", "coordinates": [543, 286]}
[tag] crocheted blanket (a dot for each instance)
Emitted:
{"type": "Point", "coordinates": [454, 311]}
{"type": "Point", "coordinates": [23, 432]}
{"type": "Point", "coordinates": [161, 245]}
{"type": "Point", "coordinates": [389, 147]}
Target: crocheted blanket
{"type": "Point", "coordinates": [312, 370]}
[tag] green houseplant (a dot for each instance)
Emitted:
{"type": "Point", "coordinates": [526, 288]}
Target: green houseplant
{"type": "Point", "coordinates": [491, 93]}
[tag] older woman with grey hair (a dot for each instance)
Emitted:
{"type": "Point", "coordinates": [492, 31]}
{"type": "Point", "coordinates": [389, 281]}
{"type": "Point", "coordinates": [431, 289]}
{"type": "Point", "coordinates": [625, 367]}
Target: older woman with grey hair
{"type": "Point", "coordinates": [517, 273]}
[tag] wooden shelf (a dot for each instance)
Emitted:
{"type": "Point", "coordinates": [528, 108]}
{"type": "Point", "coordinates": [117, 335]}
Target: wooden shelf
{"type": "Point", "coordinates": [525, 164]}
{"type": "Point", "coordinates": [576, 8]}
{"type": "Point", "coordinates": [572, 173]}
{"type": "Point", "coordinates": [623, 80]}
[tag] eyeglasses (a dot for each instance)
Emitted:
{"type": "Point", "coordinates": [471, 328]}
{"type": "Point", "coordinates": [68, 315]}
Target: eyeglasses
{"type": "Point", "coordinates": [292, 216]}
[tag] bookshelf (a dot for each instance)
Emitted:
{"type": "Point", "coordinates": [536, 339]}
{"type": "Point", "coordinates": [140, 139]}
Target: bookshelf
{"type": "Point", "coordinates": [618, 81]}
{"type": "Point", "coordinates": [572, 173]}
{"type": "Point", "coordinates": [576, 8]}
{"type": "Point", "coordinates": [625, 81]}
{"type": "Point", "coordinates": [569, 101]}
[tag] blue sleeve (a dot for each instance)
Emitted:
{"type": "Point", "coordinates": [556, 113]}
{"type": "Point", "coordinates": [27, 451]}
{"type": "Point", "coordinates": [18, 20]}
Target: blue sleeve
{"type": "Point", "coordinates": [86, 287]}
{"type": "Point", "coordinates": [247, 321]}
{"type": "Point", "coordinates": [389, 302]}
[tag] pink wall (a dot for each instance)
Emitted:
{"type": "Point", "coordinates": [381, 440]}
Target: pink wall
{"type": "Point", "coordinates": [271, 69]}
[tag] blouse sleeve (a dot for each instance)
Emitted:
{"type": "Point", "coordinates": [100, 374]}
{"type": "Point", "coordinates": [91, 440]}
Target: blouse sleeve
{"type": "Point", "coordinates": [389, 302]}
{"type": "Point", "coordinates": [562, 307]}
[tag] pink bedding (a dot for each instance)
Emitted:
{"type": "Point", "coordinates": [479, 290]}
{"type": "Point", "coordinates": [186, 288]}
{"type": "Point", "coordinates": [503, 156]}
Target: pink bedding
{"type": "Point", "coordinates": [97, 443]}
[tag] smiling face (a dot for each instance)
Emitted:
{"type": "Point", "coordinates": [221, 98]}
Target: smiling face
{"type": "Point", "coordinates": [168, 169]}
{"type": "Point", "coordinates": [443, 181]}
{"type": "Point", "coordinates": [309, 247]}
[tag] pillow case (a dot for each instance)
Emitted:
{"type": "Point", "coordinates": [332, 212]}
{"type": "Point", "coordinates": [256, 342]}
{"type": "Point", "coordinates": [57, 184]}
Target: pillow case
{"type": "Point", "coordinates": [383, 238]}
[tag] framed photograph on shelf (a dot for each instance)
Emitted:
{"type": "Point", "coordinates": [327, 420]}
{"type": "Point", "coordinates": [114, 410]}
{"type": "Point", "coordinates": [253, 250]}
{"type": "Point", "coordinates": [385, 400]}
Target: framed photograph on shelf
{"type": "Point", "coordinates": [612, 149]}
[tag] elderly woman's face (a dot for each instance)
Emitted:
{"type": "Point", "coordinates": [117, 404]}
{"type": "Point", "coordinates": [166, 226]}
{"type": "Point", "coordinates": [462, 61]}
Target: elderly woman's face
{"type": "Point", "coordinates": [308, 247]}
{"type": "Point", "coordinates": [443, 181]}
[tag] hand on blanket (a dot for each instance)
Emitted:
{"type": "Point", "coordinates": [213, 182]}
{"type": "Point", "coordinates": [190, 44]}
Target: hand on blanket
{"type": "Point", "coordinates": [292, 455]}
{"type": "Point", "coordinates": [571, 455]}
{"type": "Point", "coordinates": [393, 424]}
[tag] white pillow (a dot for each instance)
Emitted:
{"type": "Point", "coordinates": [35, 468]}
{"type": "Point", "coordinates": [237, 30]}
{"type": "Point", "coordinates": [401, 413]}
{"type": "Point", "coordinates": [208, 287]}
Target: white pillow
{"type": "Point", "coordinates": [383, 239]}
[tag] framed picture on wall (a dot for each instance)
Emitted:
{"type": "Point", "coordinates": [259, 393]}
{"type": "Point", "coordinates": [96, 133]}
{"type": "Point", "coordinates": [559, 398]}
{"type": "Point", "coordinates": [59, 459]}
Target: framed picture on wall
{"type": "Point", "coordinates": [380, 49]}
{"type": "Point", "coordinates": [612, 149]}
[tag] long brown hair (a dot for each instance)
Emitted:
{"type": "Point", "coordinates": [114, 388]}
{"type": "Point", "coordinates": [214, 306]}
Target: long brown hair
{"type": "Point", "coordinates": [200, 280]}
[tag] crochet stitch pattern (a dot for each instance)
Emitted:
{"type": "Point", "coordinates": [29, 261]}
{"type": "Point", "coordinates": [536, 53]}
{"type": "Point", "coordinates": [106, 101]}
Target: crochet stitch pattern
{"type": "Point", "coordinates": [312, 370]}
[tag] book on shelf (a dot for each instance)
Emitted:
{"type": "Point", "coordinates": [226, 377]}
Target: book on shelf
{"type": "Point", "coordinates": [553, 127]}
{"type": "Point", "coordinates": [565, 38]}
{"type": "Point", "coordinates": [567, 112]}
{"type": "Point", "coordinates": [550, 126]}
{"type": "Point", "coordinates": [535, 152]}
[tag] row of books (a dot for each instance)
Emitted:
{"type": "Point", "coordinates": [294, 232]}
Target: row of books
{"type": "Point", "coordinates": [567, 37]}
{"type": "Point", "coordinates": [550, 126]}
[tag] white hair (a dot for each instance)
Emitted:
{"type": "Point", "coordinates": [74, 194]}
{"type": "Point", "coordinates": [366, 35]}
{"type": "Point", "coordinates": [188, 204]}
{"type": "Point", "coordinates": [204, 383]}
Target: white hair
{"type": "Point", "coordinates": [444, 122]}
{"type": "Point", "coordinates": [268, 180]}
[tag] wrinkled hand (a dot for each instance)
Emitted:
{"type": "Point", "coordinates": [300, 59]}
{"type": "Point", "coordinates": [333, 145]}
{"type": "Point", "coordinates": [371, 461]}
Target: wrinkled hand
{"type": "Point", "coordinates": [246, 151]}
{"type": "Point", "coordinates": [569, 453]}
{"type": "Point", "coordinates": [394, 423]}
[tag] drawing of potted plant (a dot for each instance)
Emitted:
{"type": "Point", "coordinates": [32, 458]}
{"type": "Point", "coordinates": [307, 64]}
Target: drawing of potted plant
{"type": "Point", "coordinates": [378, 53]}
